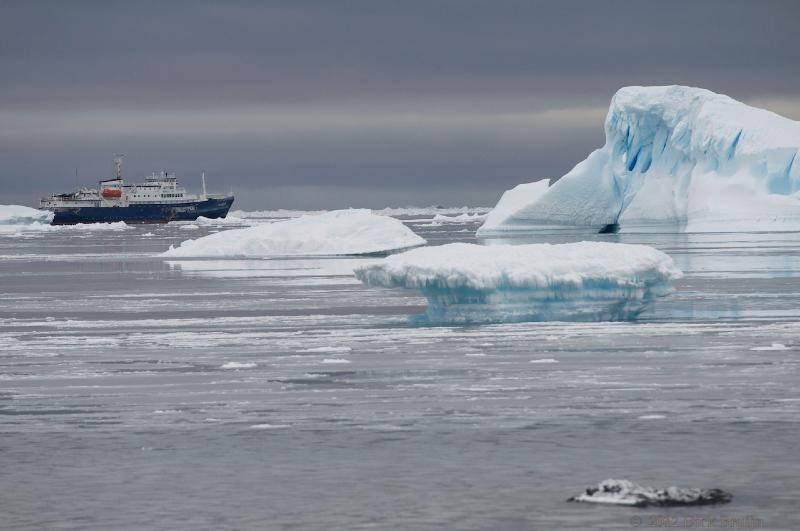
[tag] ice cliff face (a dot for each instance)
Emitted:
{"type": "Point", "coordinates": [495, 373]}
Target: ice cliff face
{"type": "Point", "coordinates": [681, 157]}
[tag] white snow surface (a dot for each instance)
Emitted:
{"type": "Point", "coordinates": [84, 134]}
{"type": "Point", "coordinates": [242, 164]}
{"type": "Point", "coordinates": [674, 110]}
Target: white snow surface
{"type": "Point", "coordinates": [512, 201]}
{"type": "Point", "coordinates": [538, 282]}
{"type": "Point", "coordinates": [17, 214]}
{"type": "Point", "coordinates": [674, 156]}
{"type": "Point", "coordinates": [339, 232]}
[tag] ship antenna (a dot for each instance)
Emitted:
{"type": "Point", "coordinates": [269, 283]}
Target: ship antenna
{"type": "Point", "coordinates": [118, 164]}
{"type": "Point", "coordinates": [205, 196]}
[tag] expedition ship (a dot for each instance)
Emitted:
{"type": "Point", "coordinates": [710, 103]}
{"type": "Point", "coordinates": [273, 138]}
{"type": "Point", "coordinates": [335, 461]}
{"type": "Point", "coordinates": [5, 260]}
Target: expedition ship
{"type": "Point", "coordinates": [158, 200]}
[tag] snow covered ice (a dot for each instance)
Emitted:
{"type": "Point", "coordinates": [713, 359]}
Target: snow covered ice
{"type": "Point", "coordinates": [339, 232]}
{"type": "Point", "coordinates": [625, 492]}
{"type": "Point", "coordinates": [585, 281]}
{"type": "Point", "coordinates": [18, 215]}
{"type": "Point", "coordinates": [678, 159]}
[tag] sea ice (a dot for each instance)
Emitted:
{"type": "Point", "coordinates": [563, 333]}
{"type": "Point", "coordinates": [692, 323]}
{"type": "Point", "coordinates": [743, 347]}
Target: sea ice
{"type": "Point", "coordinates": [339, 232]}
{"type": "Point", "coordinates": [20, 215]}
{"type": "Point", "coordinates": [585, 281]}
{"type": "Point", "coordinates": [774, 346]}
{"type": "Point", "coordinates": [625, 492]}
{"type": "Point", "coordinates": [677, 158]}
{"type": "Point", "coordinates": [238, 365]}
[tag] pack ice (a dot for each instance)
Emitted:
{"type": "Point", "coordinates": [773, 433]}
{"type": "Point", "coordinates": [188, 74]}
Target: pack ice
{"type": "Point", "coordinates": [676, 158]}
{"type": "Point", "coordinates": [339, 232]}
{"type": "Point", "coordinates": [22, 215]}
{"type": "Point", "coordinates": [585, 281]}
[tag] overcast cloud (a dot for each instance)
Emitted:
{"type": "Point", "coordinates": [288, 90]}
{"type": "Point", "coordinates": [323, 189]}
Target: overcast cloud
{"type": "Point", "coordinates": [366, 103]}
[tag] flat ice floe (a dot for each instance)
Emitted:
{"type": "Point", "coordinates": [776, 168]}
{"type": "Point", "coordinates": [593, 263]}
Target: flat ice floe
{"type": "Point", "coordinates": [625, 492]}
{"type": "Point", "coordinates": [339, 232]}
{"type": "Point", "coordinates": [585, 281]}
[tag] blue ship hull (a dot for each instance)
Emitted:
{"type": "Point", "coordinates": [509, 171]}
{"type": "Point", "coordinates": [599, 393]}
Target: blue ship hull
{"type": "Point", "coordinates": [146, 213]}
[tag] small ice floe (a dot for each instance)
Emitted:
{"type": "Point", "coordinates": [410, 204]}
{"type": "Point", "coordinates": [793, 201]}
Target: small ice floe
{"type": "Point", "coordinates": [327, 349]}
{"type": "Point", "coordinates": [148, 234]}
{"type": "Point", "coordinates": [269, 426]}
{"type": "Point", "coordinates": [625, 492]}
{"type": "Point", "coordinates": [336, 233]}
{"type": "Point", "coordinates": [335, 360]}
{"type": "Point", "coordinates": [651, 417]}
{"type": "Point", "coordinates": [191, 226]}
{"type": "Point", "coordinates": [774, 346]}
{"type": "Point", "coordinates": [238, 365]}
{"type": "Point", "coordinates": [584, 281]}
{"type": "Point", "coordinates": [544, 360]}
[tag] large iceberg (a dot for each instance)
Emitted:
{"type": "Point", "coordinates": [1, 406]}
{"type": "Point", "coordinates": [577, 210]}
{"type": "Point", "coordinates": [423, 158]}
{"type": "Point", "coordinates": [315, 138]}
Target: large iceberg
{"type": "Point", "coordinates": [675, 158]}
{"type": "Point", "coordinates": [585, 281]}
{"type": "Point", "coordinates": [22, 215]}
{"type": "Point", "coordinates": [339, 232]}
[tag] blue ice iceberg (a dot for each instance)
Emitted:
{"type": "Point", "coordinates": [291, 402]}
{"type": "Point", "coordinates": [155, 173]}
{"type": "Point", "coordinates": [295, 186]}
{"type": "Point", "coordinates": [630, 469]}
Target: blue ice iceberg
{"type": "Point", "coordinates": [676, 158]}
{"type": "Point", "coordinates": [585, 281]}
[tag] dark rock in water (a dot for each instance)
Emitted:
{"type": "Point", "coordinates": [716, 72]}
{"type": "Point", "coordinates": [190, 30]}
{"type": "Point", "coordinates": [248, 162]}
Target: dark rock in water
{"type": "Point", "coordinates": [624, 492]}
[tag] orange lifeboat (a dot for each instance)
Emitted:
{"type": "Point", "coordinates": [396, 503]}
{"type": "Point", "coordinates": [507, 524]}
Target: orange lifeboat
{"type": "Point", "coordinates": [111, 193]}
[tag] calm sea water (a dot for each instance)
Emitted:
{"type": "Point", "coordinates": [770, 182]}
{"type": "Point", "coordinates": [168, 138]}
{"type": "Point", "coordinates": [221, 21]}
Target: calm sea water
{"type": "Point", "coordinates": [139, 393]}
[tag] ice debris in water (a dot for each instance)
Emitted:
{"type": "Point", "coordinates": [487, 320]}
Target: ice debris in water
{"type": "Point", "coordinates": [774, 346]}
{"type": "Point", "coordinates": [625, 492]}
{"type": "Point", "coordinates": [584, 281]}
{"type": "Point", "coordinates": [238, 365]}
{"type": "Point", "coordinates": [339, 232]}
{"type": "Point", "coordinates": [675, 158]}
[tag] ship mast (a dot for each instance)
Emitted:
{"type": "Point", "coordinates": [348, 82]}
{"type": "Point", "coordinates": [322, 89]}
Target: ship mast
{"type": "Point", "coordinates": [205, 196]}
{"type": "Point", "coordinates": [118, 164]}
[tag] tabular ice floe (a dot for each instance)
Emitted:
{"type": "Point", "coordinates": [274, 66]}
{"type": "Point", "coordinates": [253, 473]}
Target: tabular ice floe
{"type": "Point", "coordinates": [339, 232]}
{"type": "Point", "coordinates": [585, 281]}
{"type": "Point", "coordinates": [675, 158]}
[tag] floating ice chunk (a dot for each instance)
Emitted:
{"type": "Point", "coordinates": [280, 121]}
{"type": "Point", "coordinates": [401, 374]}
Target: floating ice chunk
{"type": "Point", "coordinates": [190, 226]}
{"type": "Point", "coordinates": [625, 492]}
{"type": "Point", "coordinates": [676, 158]}
{"type": "Point", "coordinates": [339, 232]}
{"type": "Point", "coordinates": [774, 346]}
{"type": "Point", "coordinates": [585, 281]}
{"type": "Point", "coordinates": [466, 217]}
{"type": "Point", "coordinates": [335, 361]}
{"type": "Point", "coordinates": [238, 365]}
{"type": "Point", "coordinates": [651, 417]}
{"type": "Point", "coordinates": [228, 220]}
{"type": "Point", "coordinates": [269, 426]}
{"type": "Point", "coordinates": [17, 214]}
{"type": "Point", "coordinates": [327, 349]}
{"type": "Point", "coordinates": [544, 360]}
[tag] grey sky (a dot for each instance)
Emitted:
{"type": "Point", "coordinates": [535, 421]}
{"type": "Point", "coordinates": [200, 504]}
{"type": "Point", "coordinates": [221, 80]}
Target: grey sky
{"type": "Point", "coordinates": [364, 103]}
